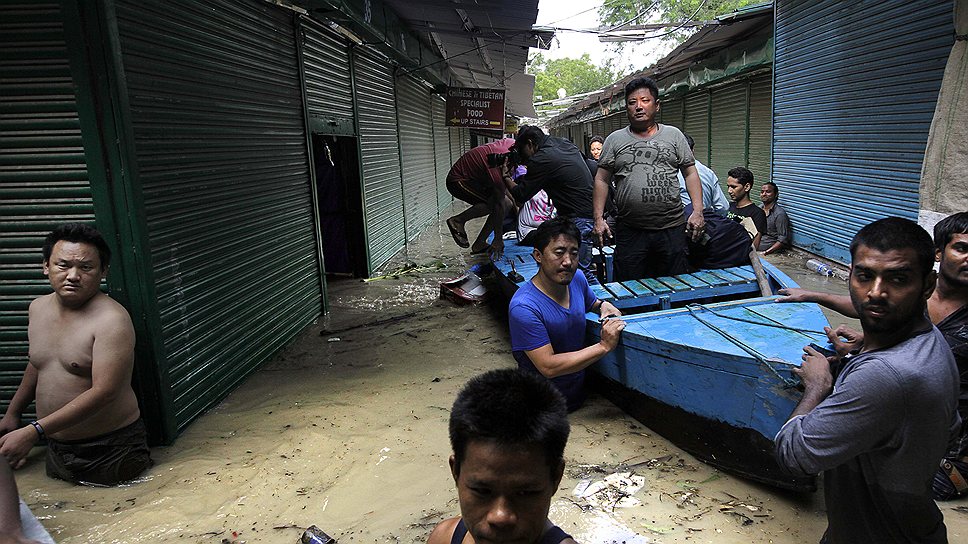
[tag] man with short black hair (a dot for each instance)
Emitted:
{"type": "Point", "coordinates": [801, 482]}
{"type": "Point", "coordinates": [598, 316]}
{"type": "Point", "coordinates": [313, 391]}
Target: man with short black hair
{"type": "Point", "coordinates": [948, 310]}
{"type": "Point", "coordinates": [558, 167]}
{"type": "Point", "coordinates": [739, 184]}
{"type": "Point", "coordinates": [878, 429]}
{"type": "Point", "coordinates": [644, 158]}
{"type": "Point", "coordinates": [508, 431]}
{"type": "Point", "coordinates": [777, 235]}
{"type": "Point", "coordinates": [547, 314]}
{"type": "Point", "coordinates": [79, 372]}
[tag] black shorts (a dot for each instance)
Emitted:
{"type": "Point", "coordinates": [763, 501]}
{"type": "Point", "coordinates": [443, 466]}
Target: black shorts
{"type": "Point", "coordinates": [109, 459]}
{"type": "Point", "coordinates": [469, 190]}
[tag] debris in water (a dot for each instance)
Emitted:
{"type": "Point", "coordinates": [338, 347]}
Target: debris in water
{"type": "Point", "coordinates": [333, 339]}
{"type": "Point", "coordinates": [315, 535]}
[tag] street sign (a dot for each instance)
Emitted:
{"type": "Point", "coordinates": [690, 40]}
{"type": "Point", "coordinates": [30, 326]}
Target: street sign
{"type": "Point", "coordinates": [475, 108]}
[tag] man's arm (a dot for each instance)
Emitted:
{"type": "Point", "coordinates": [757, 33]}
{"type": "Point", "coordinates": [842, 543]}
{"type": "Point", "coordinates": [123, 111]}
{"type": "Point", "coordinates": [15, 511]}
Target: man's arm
{"type": "Point", "coordinates": [605, 309]}
{"type": "Point", "coordinates": [696, 222]}
{"type": "Point", "coordinates": [777, 246]}
{"type": "Point", "coordinates": [838, 303]}
{"type": "Point", "coordinates": [825, 430]}
{"type": "Point", "coordinates": [600, 194]}
{"type": "Point", "coordinates": [552, 364]}
{"type": "Point", "coordinates": [21, 400]}
{"type": "Point", "coordinates": [111, 369]}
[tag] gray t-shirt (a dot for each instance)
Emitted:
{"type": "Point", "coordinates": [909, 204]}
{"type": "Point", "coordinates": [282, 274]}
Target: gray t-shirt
{"type": "Point", "coordinates": [644, 172]}
{"type": "Point", "coordinates": [878, 439]}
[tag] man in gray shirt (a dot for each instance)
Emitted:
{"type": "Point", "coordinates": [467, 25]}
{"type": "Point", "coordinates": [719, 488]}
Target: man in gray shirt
{"type": "Point", "coordinates": [878, 429]}
{"type": "Point", "coordinates": [645, 157]}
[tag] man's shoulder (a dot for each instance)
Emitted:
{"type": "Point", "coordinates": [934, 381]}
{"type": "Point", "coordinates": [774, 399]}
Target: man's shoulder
{"type": "Point", "coordinates": [444, 531]}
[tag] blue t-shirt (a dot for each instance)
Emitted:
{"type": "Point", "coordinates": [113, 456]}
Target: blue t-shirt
{"type": "Point", "coordinates": [537, 320]}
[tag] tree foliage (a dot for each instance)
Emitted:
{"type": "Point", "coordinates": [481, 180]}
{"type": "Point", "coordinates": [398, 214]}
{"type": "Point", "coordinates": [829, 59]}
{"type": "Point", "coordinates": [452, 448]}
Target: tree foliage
{"type": "Point", "coordinates": [575, 76]}
{"type": "Point", "coordinates": [634, 12]}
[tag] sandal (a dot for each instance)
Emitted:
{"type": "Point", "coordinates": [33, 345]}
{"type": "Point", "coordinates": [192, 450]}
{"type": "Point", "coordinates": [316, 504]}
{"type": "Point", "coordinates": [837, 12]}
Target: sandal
{"type": "Point", "coordinates": [459, 235]}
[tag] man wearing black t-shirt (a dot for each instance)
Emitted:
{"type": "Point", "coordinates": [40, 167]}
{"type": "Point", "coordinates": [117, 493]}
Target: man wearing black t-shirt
{"type": "Point", "coordinates": [739, 184]}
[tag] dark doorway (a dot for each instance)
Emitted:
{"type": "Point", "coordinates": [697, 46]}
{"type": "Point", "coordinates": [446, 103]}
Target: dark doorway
{"type": "Point", "coordinates": [340, 201]}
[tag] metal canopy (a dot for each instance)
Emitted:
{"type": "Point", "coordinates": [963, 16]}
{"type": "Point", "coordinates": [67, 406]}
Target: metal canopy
{"type": "Point", "coordinates": [485, 45]}
{"type": "Point", "coordinates": [723, 32]}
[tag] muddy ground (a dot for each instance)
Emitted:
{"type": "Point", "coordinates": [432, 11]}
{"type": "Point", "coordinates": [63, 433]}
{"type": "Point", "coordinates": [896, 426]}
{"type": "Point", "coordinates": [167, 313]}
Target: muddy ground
{"type": "Point", "coordinates": [347, 429]}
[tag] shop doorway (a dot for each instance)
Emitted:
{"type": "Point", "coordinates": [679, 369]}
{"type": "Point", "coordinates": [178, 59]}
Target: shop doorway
{"type": "Point", "coordinates": [340, 200]}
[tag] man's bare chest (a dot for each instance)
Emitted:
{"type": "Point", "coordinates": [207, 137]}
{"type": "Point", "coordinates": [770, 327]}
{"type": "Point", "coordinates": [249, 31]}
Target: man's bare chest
{"type": "Point", "coordinates": [61, 343]}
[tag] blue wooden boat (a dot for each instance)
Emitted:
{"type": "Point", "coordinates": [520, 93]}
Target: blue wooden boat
{"type": "Point", "coordinates": [704, 360]}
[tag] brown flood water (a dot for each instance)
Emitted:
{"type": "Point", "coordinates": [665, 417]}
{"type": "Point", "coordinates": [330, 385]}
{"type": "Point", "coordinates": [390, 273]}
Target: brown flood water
{"type": "Point", "coordinates": [351, 435]}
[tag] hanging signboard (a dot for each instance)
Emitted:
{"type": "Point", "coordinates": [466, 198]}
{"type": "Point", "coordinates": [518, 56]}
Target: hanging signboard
{"type": "Point", "coordinates": [475, 108]}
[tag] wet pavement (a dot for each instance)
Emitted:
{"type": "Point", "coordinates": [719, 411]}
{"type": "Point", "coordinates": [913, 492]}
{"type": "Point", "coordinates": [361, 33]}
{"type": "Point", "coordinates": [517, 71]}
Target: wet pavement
{"type": "Point", "coordinates": [346, 429]}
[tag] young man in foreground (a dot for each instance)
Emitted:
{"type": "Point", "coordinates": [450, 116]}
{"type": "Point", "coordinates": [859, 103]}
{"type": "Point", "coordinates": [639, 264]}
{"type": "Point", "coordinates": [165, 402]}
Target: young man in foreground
{"type": "Point", "coordinates": [948, 310]}
{"type": "Point", "coordinates": [508, 431]}
{"type": "Point", "coordinates": [878, 429]}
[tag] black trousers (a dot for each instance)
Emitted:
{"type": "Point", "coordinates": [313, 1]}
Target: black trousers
{"type": "Point", "coordinates": [649, 253]}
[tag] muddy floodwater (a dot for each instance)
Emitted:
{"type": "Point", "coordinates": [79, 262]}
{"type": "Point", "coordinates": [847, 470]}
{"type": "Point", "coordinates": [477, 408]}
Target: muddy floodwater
{"type": "Point", "coordinates": [346, 429]}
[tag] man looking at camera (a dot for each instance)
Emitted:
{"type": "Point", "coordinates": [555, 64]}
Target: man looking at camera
{"type": "Point", "coordinates": [644, 159]}
{"type": "Point", "coordinates": [81, 345]}
{"type": "Point", "coordinates": [547, 314]}
{"type": "Point", "coordinates": [878, 429]}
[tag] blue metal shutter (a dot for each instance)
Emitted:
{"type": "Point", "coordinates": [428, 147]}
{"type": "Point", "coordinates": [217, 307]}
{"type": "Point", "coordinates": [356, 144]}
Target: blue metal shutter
{"type": "Point", "coordinates": [855, 90]}
{"type": "Point", "coordinates": [728, 139]}
{"type": "Point", "coordinates": [695, 122]}
{"type": "Point", "coordinates": [441, 153]}
{"type": "Point", "coordinates": [417, 155]}
{"type": "Point", "coordinates": [219, 134]}
{"type": "Point", "coordinates": [329, 89]}
{"type": "Point", "coordinates": [761, 126]}
{"type": "Point", "coordinates": [382, 189]}
{"type": "Point", "coordinates": [43, 174]}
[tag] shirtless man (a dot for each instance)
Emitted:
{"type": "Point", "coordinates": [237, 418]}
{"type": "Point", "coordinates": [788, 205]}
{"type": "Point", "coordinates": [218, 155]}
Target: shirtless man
{"type": "Point", "coordinates": [81, 358]}
{"type": "Point", "coordinates": [948, 310]}
{"type": "Point", "coordinates": [508, 430]}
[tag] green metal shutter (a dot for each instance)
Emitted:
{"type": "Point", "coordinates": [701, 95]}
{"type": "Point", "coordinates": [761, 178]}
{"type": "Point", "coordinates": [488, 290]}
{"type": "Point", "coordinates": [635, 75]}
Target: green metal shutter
{"type": "Point", "coordinates": [598, 129]}
{"type": "Point", "coordinates": [43, 174]}
{"type": "Point", "coordinates": [441, 153]}
{"type": "Point", "coordinates": [616, 121]}
{"type": "Point", "coordinates": [696, 122]}
{"type": "Point", "coordinates": [672, 113]}
{"type": "Point", "coordinates": [382, 189]}
{"type": "Point", "coordinates": [728, 139]}
{"type": "Point", "coordinates": [219, 132]}
{"type": "Point", "coordinates": [329, 88]}
{"type": "Point", "coordinates": [856, 85]}
{"type": "Point", "coordinates": [761, 126]}
{"type": "Point", "coordinates": [417, 155]}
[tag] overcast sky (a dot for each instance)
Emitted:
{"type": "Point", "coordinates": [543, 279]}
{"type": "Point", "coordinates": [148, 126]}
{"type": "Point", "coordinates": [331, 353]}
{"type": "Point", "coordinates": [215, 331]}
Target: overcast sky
{"type": "Point", "coordinates": [583, 14]}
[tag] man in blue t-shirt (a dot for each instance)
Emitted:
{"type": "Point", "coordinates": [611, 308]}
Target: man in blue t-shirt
{"type": "Point", "coordinates": [547, 314]}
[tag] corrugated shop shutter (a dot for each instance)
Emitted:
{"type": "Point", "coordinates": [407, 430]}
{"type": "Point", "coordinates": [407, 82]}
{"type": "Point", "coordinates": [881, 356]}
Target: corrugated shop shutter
{"type": "Point", "coordinates": [380, 150]}
{"type": "Point", "coordinates": [43, 174]}
{"type": "Point", "coordinates": [417, 155]}
{"type": "Point", "coordinates": [855, 91]}
{"type": "Point", "coordinates": [696, 122]}
{"type": "Point", "coordinates": [465, 140]}
{"type": "Point", "coordinates": [728, 140]}
{"type": "Point", "coordinates": [441, 153]}
{"type": "Point", "coordinates": [761, 126]}
{"type": "Point", "coordinates": [672, 111]}
{"type": "Point", "coordinates": [329, 89]}
{"type": "Point", "coordinates": [598, 128]}
{"type": "Point", "coordinates": [455, 147]}
{"type": "Point", "coordinates": [617, 121]}
{"type": "Point", "coordinates": [220, 139]}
